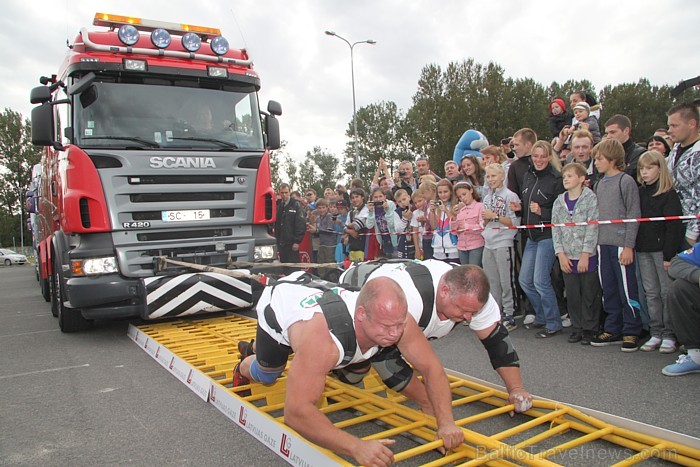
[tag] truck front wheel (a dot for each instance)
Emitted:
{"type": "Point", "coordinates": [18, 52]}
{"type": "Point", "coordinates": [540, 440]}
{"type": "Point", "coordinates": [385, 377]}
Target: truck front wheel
{"type": "Point", "coordinates": [69, 319]}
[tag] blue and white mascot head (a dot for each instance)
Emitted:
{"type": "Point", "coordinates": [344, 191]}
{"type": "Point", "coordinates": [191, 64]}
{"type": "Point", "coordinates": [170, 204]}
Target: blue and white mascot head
{"type": "Point", "coordinates": [471, 142]}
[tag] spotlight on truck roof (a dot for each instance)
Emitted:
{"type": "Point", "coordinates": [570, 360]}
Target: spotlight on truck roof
{"type": "Point", "coordinates": [219, 45]}
{"type": "Point", "coordinates": [128, 34]}
{"type": "Point", "coordinates": [160, 38]}
{"type": "Point", "coordinates": [191, 42]}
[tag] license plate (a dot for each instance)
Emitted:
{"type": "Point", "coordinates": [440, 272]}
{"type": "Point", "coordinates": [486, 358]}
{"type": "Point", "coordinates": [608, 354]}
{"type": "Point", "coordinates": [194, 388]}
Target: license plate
{"type": "Point", "coordinates": [184, 216]}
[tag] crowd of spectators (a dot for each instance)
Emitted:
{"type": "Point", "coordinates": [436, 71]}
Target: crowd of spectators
{"type": "Point", "coordinates": [609, 283]}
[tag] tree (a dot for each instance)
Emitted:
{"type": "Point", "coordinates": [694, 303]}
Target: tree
{"type": "Point", "coordinates": [319, 170]}
{"type": "Point", "coordinates": [17, 156]}
{"type": "Point", "coordinates": [381, 133]}
{"type": "Point", "coordinates": [644, 104]}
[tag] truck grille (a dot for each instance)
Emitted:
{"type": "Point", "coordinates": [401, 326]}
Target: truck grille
{"type": "Point", "coordinates": [138, 194]}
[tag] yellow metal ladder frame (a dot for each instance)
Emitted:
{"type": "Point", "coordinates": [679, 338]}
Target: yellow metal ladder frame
{"type": "Point", "coordinates": [203, 352]}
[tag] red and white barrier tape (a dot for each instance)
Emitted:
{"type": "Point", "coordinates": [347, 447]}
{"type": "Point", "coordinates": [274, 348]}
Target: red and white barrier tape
{"type": "Point", "coordinates": [566, 224]}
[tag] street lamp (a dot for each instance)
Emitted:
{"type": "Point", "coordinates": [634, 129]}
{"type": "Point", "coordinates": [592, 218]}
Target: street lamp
{"type": "Point", "coordinates": [354, 107]}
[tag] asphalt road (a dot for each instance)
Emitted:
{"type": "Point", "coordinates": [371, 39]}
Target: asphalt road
{"type": "Point", "coordinates": [95, 398]}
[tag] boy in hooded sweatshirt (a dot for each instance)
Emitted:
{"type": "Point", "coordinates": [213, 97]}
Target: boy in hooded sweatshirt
{"type": "Point", "coordinates": [575, 248]}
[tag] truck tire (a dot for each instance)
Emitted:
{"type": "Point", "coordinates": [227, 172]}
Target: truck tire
{"type": "Point", "coordinates": [69, 319]}
{"type": "Point", "coordinates": [45, 288]}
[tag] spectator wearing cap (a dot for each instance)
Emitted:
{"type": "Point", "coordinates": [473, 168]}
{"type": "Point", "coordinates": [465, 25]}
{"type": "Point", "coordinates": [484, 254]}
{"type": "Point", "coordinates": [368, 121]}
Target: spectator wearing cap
{"type": "Point", "coordinates": [582, 96]}
{"type": "Point", "coordinates": [659, 143]}
{"type": "Point", "coordinates": [559, 117]}
{"type": "Point", "coordinates": [585, 121]}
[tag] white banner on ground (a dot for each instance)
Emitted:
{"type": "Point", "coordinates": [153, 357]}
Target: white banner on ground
{"type": "Point", "coordinates": [277, 437]}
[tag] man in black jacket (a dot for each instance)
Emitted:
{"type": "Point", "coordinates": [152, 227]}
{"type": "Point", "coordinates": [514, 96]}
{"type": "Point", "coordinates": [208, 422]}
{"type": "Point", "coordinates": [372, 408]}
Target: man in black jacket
{"type": "Point", "coordinates": [619, 127]}
{"type": "Point", "coordinates": [290, 226]}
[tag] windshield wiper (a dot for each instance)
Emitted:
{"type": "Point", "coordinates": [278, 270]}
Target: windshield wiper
{"type": "Point", "coordinates": [144, 142]}
{"type": "Point", "coordinates": [209, 140]}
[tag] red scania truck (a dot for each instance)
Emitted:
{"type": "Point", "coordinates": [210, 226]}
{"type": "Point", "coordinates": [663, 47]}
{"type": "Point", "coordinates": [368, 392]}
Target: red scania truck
{"type": "Point", "coordinates": [155, 146]}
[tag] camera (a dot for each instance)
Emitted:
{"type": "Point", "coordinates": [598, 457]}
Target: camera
{"type": "Point", "coordinates": [334, 218]}
{"type": "Point", "coordinates": [402, 173]}
{"type": "Point", "coordinates": [378, 203]}
{"type": "Point", "coordinates": [438, 203]}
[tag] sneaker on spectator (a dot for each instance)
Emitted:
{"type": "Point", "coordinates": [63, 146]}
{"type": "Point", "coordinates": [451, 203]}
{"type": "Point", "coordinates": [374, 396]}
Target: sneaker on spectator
{"type": "Point", "coordinates": [630, 343]}
{"type": "Point", "coordinates": [565, 321]}
{"type": "Point", "coordinates": [509, 323]}
{"type": "Point", "coordinates": [529, 319]}
{"type": "Point", "coordinates": [518, 314]}
{"type": "Point", "coordinates": [683, 366]}
{"type": "Point", "coordinates": [605, 338]}
{"type": "Point", "coordinates": [667, 346]}
{"type": "Point", "coordinates": [651, 345]}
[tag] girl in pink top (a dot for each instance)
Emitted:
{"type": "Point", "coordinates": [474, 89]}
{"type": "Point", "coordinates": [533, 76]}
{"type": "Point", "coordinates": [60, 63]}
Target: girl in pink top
{"type": "Point", "coordinates": [467, 222]}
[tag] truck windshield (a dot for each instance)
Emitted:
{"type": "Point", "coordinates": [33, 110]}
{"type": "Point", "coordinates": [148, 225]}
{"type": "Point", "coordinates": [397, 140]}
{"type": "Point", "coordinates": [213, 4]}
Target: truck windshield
{"type": "Point", "coordinates": [168, 115]}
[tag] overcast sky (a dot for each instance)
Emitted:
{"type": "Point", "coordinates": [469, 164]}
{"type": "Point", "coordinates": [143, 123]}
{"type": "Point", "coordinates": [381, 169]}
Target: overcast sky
{"type": "Point", "coordinates": [308, 72]}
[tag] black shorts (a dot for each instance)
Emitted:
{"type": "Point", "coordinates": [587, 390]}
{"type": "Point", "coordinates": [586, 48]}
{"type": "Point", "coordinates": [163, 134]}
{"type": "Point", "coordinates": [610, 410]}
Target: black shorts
{"type": "Point", "coordinates": [268, 352]}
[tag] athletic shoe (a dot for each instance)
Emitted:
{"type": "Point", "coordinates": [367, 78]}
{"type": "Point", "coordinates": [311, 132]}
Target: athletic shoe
{"type": "Point", "coordinates": [565, 322]}
{"type": "Point", "coordinates": [667, 346]}
{"type": "Point", "coordinates": [509, 323]}
{"type": "Point", "coordinates": [238, 378]}
{"type": "Point", "coordinates": [534, 326]}
{"type": "Point", "coordinates": [529, 319]}
{"type": "Point", "coordinates": [517, 314]}
{"type": "Point", "coordinates": [605, 338]}
{"type": "Point", "coordinates": [683, 366]}
{"type": "Point", "coordinates": [651, 345]}
{"type": "Point", "coordinates": [630, 344]}
{"type": "Point", "coordinates": [575, 337]}
{"type": "Point", "coordinates": [546, 333]}
{"type": "Point", "coordinates": [245, 348]}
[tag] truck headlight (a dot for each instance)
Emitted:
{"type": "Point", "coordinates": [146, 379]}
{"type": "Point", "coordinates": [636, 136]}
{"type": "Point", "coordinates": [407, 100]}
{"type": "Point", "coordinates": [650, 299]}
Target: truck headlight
{"type": "Point", "coordinates": [264, 252]}
{"type": "Point", "coordinates": [94, 266]}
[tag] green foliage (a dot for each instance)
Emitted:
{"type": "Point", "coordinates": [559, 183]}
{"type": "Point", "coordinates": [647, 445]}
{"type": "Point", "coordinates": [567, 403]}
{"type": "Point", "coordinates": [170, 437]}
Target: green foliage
{"type": "Point", "coordinates": [17, 156]}
{"type": "Point", "coordinates": [381, 133]}
{"type": "Point", "coordinates": [644, 104]}
{"type": "Point", "coordinates": [319, 170]}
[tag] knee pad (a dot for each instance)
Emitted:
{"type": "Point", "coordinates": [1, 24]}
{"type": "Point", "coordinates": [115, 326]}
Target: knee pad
{"type": "Point", "coordinates": [263, 376]}
{"type": "Point", "coordinates": [500, 348]}
{"type": "Point", "coordinates": [392, 368]}
{"type": "Point", "coordinates": [352, 374]}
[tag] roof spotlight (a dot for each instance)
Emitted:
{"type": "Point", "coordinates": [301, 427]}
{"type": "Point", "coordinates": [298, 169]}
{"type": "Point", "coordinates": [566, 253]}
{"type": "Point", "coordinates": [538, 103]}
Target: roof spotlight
{"type": "Point", "coordinates": [160, 38]}
{"type": "Point", "coordinates": [128, 34]}
{"type": "Point", "coordinates": [219, 45]}
{"type": "Point", "coordinates": [191, 42]}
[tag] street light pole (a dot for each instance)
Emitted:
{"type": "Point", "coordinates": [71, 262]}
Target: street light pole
{"type": "Point", "coordinates": [354, 105]}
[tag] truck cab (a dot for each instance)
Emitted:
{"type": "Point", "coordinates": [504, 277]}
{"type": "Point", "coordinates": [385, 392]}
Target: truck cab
{"type": "Point", "coordinates": [155, 147]}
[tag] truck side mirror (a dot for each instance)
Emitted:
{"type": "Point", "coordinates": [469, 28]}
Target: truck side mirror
{"type": "Point", "coordinates": [272, 129]}
{"type": "Point", "coordinates": [43, 127]}
{"type": "Point", "coordinates": [31, 202]}
{"type": "Point", "coordinates": [40, 94]}
{"type": "Point", "coordinates": [274, 108]}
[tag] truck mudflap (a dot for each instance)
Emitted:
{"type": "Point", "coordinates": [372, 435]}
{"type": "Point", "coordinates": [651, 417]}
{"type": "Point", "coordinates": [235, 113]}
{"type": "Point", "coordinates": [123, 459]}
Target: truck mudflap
{"type": "Point", "coordinates": [188, 294]}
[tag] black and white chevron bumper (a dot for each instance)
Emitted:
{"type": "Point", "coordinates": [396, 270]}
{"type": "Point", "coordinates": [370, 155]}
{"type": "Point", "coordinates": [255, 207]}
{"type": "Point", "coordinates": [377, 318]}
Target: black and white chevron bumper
{"type": "Point", "coordinates": [188, 294]}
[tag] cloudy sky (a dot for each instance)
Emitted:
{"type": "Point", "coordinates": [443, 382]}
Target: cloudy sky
{"type": "Point", "coordinates": [308, 72]}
